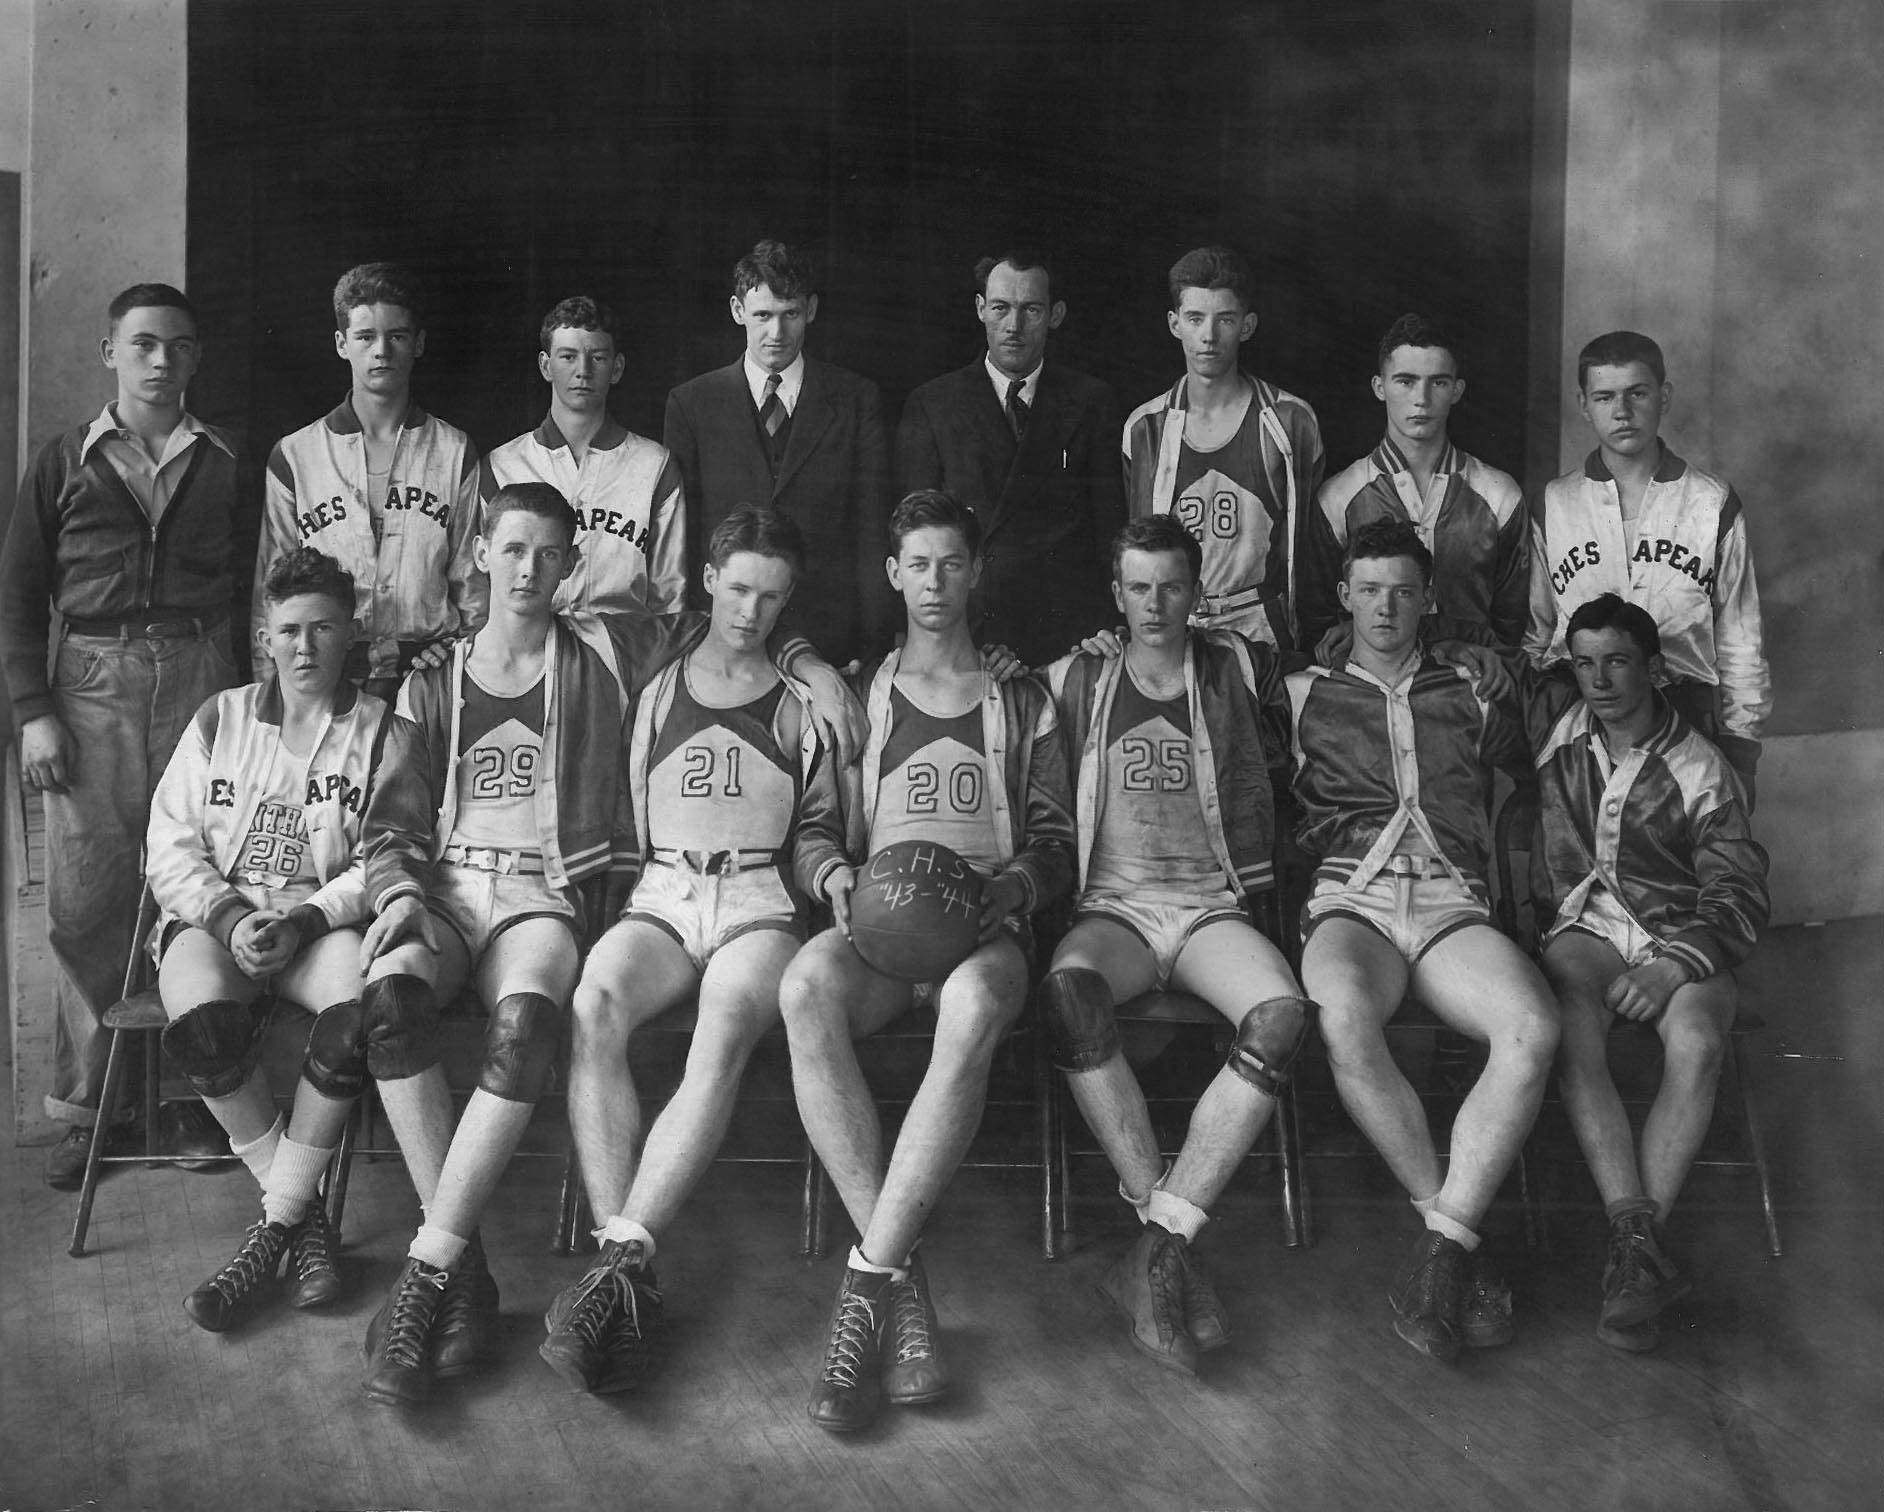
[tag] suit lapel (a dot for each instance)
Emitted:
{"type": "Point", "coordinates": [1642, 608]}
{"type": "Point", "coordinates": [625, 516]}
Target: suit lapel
{"type": "Point", "coordinates": [810, 421]}
{"type": "Point", "coordinates": [1048, 427]}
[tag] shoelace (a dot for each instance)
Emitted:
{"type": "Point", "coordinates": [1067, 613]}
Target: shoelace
{"type": "Point", "coordinates": [1629, 1259]}
{"type": "Point", "coordinates": [1198, 1296]}
{"type": "Point", "coordinates": [251, 1265]}
{"type": "Point", "coordinates": [311, 1245]}
{"type": "Point", "coordinates": [597, 1296]}
{"type": "Point", "coordinates": [910, 1318]}
{"type": "Point", "coordinates": [851, 1336]}
{"type": "Point", "coordinates": [627, 1333]}
{"type": "Point", "coordinates": [1167, 1282]}
{"type": "Point", "coordinates": [462, 1290]}
{"type": "Point", "coordinates": [412, 1315]}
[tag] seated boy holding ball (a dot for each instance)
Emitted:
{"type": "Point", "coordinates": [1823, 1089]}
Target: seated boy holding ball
{"type": "Point", "coordinates": [961, 761]}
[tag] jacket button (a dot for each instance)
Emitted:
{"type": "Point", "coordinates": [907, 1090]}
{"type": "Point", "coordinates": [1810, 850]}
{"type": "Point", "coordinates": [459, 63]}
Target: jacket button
{"type": "Point", "coordinates": [1613, 808]}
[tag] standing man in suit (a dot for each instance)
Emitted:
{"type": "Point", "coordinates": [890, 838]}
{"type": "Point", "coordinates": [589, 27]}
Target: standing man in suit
{"type": "Point", "coordinates": [1029, 448]}
{"type": "Point", "coordinates": [779, 428]}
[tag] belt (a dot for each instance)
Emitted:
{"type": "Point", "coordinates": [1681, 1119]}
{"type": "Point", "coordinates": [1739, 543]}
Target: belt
{"type": "Point", "coordinates": [715, 863]}
{"type": "Point", "coordinates": [1216, 604]}
{"type": "Point", "coordinates": [1422, 867]}
{"type": "Point", "coordinates": [488, 858]}
{"type": "Point", "coordinates": [140, 628]}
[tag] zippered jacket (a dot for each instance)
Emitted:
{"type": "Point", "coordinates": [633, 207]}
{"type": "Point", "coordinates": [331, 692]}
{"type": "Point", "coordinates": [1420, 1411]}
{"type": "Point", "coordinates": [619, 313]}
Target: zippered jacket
{"type": "Point", "coordinates": [416, 581]}
{"type": "Point", "coordinates": [1026, 774]}
{"type": "Point", "coordinates": [1239, 712]}
{"type": "Point", "coordinates": [79, 542]}
{"type": "Point", "coordinates": [1664, 829]}
{"type": "Point", "coordinates": [1690, 568]}
{"type": "Point", "coordinates": [204, 807]}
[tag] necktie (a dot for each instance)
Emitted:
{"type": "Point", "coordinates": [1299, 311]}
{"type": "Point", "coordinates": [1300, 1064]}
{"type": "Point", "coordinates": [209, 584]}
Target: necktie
{"type": "Point", "coordinates": [772, 411]}
{"type": "Point", "coordinates": [1017, 410]}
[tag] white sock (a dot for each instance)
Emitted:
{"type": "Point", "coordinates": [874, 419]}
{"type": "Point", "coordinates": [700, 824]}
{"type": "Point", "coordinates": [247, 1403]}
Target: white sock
{"type": "Point", "coordinates": [857, 1262]}
{"type": "Point", "coordinates": [259, 1153]}
{"type": "Point", "coordinates": [620, 1230]}
{"type": "Point", "coordinates": [1424, 1205]}
{"type": "Point", "coordinates": [1442, 1223]}
{"type": "Point", "coordinates": [436, 1247]}
{"type": "Point", "coordinates": [292, 1181]}
{"type": "Point", "coordinates": [1178, 1214]}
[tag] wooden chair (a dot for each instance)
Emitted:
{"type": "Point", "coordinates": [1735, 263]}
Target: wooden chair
{"type": "Point", "coordinates": [141, 1012]}
{"type": "Point", "coordinates": [1026, 1060]}
{"type": "Point", "coordinates": [1513, 835]}
{"type": "Point", "coordinates": [1171, 1011]}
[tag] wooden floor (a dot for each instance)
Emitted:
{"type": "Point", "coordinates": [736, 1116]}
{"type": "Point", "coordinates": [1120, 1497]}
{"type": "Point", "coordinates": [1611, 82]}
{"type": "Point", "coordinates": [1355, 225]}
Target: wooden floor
{"type": "Point", "coordinates": [1766, 1393]}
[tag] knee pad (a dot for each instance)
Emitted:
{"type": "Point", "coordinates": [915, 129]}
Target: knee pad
{"type": "Point", "coordinates": [1268, 1040]}
{"type": "Point", "coordinates": [214, 1045]}
{"type": "Point", "coordinates": [335, 1063]}
{"type": "Point", "coordinates": [520, 1047]}
{"type": "Point", "coordinates": [1076, 1008]}
{"type": "Point", "coordinates": [399, 1019]}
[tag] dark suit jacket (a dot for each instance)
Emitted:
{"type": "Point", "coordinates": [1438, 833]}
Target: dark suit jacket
{"type": "Point", "coordinates": [1048, 506]}
{"type": "Point", "coordinates": [834, 482]}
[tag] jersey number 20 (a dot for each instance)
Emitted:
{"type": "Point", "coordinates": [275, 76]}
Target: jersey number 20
{"type": "Point", "coordinates": [925, 782]}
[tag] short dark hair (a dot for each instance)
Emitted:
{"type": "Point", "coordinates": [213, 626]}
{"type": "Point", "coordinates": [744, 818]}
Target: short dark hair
{"type": "Point", "coordinates": [761, 529]}
{"type": "Point", "coordinates": [307, 569]}
{"type": "Point", "coordinates": [1213, 268]}
{"type": "Point", "coordinates": [928, 507]}
{"type": "Point", "coordinates": [784, 270]}
{"type": "Point", "coordinates": [1417, 331]}
{"type": "Point", "coordinates": [1379, 539]}
{"type": "Point", "coordinates": [579, 313]}
{"type": "Point", "coordinates": [544, 500]}
{"type": "Point", "coordinates": [1619, 349]}
{"type": "Point", "coordinates": [1611, 611]}
{"type": "Point", "coordinates": [150, 296]}
{"type": "Point", "coordinates": [378, 283]}
{"type": "Point", "coordinates": [1158, 532]}
{"type": "Point", "coordinates": [1021, 260]}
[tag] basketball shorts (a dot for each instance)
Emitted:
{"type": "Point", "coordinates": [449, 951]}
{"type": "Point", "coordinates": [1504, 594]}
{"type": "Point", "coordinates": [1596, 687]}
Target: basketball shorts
{"type": "Point", "coordinates": [481, 905]}
{"type": "Point", "coordinates": [1411, 910]}
{"type": "Point", "coordinates": [1604, 916]}
{"type": "Point", "coordinates": [702, 910]}
{"type": "Point", "coordinates": [1014, 927]}
{"type": "Point", "coordinates": [1163, 928]}
{"type": "Point", "coordinates": [280, 899]}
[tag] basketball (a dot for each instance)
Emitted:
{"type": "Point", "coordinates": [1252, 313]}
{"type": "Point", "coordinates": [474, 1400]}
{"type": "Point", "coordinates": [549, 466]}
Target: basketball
{"type": "Point", "coordinates": [915, 913]}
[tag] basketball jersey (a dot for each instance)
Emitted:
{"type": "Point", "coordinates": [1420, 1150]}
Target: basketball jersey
{"type": "Point", "coordinates": [933, 784]}
{"type": "Point", "coordinates": [717, 779]}
{"type": "Point", "coordinates": [1152, 838]}
{"type": "Point", "coordinates": [276, 852]}
{"type": "Point", "coordinates": [500, 746]}
{"type": "Point", "coordinates": [1222, 498]}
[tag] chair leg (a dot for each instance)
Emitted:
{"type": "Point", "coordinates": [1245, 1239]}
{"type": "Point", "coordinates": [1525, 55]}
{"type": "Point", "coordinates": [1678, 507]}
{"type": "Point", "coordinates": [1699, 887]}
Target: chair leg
{"type": "Point", "coordinates": [1533, 1236]}
{"type": "Point", "coordinates": [1756, 1146]}
{"type": "Point", "coordinates": [153, 1091]}
{"type": "Point", "coordinates": [568, 1206]}
{"type": "Point", "coordinates": [107, 1102]}
{"type": "Point", "coordinates": [1054, 1230]}
{"type": "Point", "coordinates": [814, 1241]}
{"type": "Point", "coordinates": [1289, 1157]}
{"type": "Point", "coordinates": [340, 1169]}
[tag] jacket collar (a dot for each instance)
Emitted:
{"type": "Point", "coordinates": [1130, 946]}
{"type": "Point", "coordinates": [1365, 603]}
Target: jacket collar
{"type": "Point", "coordinates": [1668, 466]}
{"type": "Point", "coordinates": [342, 420]}
{"type": "Point", "coordinates": [268, 708]}
{"type": "Point", "coordinates": [549, 435]}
